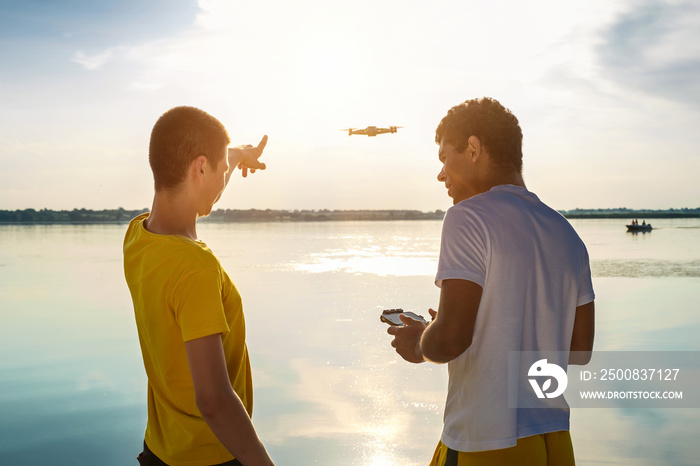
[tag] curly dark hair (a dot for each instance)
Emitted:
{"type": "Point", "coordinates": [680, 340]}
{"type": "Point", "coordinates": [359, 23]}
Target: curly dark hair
{"type": "Point", "coordinates": [179, 136]}
{"type": "Point", "coordinates": [495, 126]}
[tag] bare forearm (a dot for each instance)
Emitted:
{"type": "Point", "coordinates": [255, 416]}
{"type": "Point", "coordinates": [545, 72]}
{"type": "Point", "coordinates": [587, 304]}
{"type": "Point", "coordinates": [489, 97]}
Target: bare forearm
{"type": "Point", "coordinates": [233, 427]}
{"type": "Point", "coordinates": [580, 358]}
{"type": "Point", "coordinates": [435, 348]}
{"type": "Point", "coordinates": [234, 158]}
{"type": "Point", "coordinates": [427, 346]}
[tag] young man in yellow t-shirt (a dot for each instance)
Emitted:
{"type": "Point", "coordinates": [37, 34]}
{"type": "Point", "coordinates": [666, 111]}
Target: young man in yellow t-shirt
{"type": "Point", "coordinates": [188, 311]}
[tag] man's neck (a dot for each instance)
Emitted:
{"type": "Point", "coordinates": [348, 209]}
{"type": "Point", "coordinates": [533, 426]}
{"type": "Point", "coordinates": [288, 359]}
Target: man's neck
{"type": "Point", "coordinates": [497, 179]}
{"type": "Point", "coordinates": [172, 214]}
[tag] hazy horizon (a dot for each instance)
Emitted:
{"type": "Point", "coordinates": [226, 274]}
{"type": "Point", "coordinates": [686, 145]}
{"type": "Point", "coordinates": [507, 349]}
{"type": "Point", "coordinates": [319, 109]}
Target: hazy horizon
{"type": "Point", "coordinates": [68, 209]}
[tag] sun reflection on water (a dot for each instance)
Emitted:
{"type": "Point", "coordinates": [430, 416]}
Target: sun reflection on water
{"type": "Point", "coordinates": [375, 262]}
{"type": "Point", "coordinates": [381, 458]}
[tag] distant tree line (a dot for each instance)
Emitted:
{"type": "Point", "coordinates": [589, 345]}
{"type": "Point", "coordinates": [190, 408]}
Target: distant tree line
{"type": "Point", "coordinates": [623, 212]}
{"type": "Point", "coordinates": [269, 215]}
{"type": "Point", "coordinates": [120, 215]}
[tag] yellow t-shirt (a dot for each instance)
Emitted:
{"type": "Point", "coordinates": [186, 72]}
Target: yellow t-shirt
{"type": "Point", "coordinates": [180, 293]}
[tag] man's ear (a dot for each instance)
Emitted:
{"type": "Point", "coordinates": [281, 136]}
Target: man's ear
{"type": "Point", "coordinates": [199, 165]}
{"type": "Point", "coordinates": [473, 147]}
{"type": "Point", "coordinates": [197, 168]}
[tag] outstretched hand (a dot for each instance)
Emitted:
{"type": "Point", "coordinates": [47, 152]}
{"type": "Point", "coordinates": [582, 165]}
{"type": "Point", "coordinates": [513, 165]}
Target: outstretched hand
{"type": "Point", "coordinates": [246, 157]}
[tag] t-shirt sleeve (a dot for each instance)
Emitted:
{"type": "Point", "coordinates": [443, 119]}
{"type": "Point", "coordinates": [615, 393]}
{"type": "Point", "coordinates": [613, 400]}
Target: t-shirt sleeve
{"type": "Point", "coordinates": [199, 309]}
{"type": "Point", "coordinates": [463, 247]}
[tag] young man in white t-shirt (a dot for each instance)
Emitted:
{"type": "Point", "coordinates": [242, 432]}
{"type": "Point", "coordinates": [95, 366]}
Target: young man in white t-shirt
{"type": "Point", "coordinates": [514, 277]}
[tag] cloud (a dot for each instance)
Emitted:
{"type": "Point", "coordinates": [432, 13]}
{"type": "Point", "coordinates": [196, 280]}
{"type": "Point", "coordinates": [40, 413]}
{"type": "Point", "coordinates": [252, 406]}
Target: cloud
{"type": "Point", "coordinates": [655, 47]}
{"type": "Point", "coordinates": [92, 62]}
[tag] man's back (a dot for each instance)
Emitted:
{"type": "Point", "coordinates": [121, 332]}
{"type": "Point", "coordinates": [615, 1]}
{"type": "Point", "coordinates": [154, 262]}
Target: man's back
{"type": "Point", "coordinates": [180, 293]}
{"type": "Point", "coordinates": [533, 269]}
{"type": "Point", "coordinates": [513, 276]}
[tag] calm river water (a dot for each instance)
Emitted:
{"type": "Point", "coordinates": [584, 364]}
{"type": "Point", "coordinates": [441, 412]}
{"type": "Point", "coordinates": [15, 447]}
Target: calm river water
{"type": "Point", "coordinates": [328, 387]}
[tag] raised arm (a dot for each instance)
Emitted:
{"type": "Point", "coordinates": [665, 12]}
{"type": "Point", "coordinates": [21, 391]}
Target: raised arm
{"type": "Point", "coordinates": [219, 404]}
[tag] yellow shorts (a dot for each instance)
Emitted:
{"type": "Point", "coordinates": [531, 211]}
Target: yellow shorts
{"type": "Point", "coordinates": [554, 448]}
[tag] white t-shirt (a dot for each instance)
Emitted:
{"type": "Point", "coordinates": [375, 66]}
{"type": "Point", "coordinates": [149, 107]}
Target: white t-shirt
{"type": "Point", "coordinates": [534, 271]}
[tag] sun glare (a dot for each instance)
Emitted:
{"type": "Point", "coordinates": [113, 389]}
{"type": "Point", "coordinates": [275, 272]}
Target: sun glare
{"type": "Point", "coordinates": [373, 263]}
{"type": "Point", "coordinates": [380, 459]}
{"type": "Point", "coordinates": [378, 449]}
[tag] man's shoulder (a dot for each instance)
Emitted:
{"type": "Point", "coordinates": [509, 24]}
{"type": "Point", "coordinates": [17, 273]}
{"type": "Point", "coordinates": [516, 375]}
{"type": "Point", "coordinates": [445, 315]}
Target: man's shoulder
{"type": "Point", "coordinates": [466, 219]}
{"type": "Point", "coordinates": [507, 198]}
{"type": "Point", "coordinates": [504, 207]}
{"type": "Point", "coordinates": [189, 253]}
{"type": "Point", "coordinates": [481, 206]}
{"type": "Point", "coordinates": [135, 224]}
{"type": "Point", "coordinates": [173, 251]}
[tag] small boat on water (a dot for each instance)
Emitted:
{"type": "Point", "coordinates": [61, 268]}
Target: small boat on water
{"type": "Point", "coordinates": [635, 228]}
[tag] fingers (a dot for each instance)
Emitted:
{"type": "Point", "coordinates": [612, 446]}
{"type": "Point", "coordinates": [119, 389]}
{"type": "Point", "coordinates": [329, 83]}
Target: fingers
{"type": "Point", "coordinates": [432, 313]}
{"type": "Point", "coordinates": [408, 320]}
{"type": "Point", "coordinates": [254, 163]}
{"type": "Point", "coordinates": [261, 145]}
{"type": "Point", "coordinates": [246, 157]}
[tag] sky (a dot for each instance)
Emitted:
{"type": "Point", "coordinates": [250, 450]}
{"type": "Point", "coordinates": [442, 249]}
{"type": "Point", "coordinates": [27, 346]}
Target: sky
{"type": "Point", "coordinates": [607, 93]}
